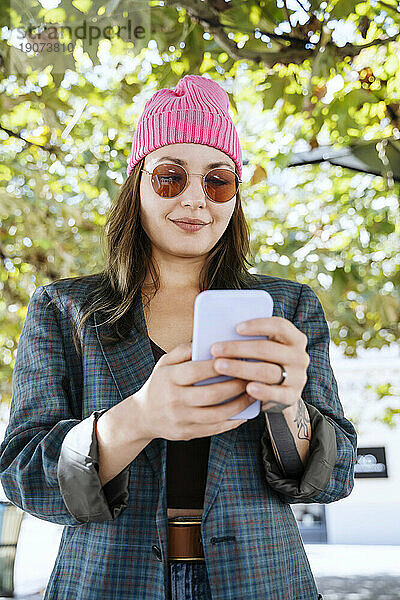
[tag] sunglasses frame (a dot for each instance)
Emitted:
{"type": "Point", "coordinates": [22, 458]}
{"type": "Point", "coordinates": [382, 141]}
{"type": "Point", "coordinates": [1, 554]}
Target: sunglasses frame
{"type": "Point", "coordinates": [188, 174]}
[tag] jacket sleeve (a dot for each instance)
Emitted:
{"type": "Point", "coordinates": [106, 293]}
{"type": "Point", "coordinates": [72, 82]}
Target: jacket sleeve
{"type": "Point", "coordinates": [329, 473]}
{"type": "Point", "coordinates": [49, 458]}
{"type": "Point", "coordinates": [77, 474]}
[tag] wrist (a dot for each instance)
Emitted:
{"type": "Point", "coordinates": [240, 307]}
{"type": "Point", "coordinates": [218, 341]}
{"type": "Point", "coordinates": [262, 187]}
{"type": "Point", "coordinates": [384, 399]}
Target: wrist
{"type": "Point", "coordinates": [123, 422]}
{"type": "Point", "coordinates": [136, 406]}
{"type": "Point", "coordinates": [291, 411]}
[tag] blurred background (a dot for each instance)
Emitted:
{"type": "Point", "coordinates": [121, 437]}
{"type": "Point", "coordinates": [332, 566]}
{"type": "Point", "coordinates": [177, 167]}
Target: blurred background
{"type": "Point", "coordinates": [314, 90]}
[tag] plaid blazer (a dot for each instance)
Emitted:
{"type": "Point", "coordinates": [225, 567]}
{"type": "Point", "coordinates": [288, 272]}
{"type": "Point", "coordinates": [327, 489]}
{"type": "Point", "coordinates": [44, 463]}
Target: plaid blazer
{"type": "Point", "coordinates": [114, 545]}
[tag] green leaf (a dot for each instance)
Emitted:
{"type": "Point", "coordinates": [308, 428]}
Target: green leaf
{"type": "Point", "coordinates": [273, 89]}
{"type": "Point", "coordinates": [82, 5]}
{"type": "Point", "coordinates": [343, 8]}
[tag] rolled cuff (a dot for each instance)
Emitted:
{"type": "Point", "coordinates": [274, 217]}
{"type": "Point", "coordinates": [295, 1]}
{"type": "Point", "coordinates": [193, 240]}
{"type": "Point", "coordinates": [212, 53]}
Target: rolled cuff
{"type": "Point", "coordinates": [320, 464]}
{"type": "Point", "coordinates": [78, 478]}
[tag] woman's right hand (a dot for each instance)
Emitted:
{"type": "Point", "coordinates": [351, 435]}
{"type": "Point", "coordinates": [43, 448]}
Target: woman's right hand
{"type": "Point", "coordinates": [171, 407]}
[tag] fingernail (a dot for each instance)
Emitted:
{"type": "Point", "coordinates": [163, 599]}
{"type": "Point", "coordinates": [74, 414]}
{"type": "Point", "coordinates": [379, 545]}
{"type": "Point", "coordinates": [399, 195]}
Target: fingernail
{"type": "Point", "coordinates": [221, 364]}
{"type": "Point", "coordinates": [216, 348]}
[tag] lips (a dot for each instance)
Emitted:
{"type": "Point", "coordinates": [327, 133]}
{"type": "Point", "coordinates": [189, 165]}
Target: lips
{"type": "Point", "coordinates": [189, 227]}
{"type": "Point", "coordinates": [190, 221]}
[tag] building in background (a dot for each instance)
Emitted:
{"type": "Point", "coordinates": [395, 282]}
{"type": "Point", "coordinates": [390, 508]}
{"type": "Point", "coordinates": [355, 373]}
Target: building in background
{"type": "Point", "coordinates": [370, 515]}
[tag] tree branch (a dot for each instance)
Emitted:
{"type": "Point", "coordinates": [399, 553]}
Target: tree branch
{"type": "Point", "coordinates": [19, 136]}
{"type": "Point", "coordinates": [301, 6]}
{"type": "Point", "coordinates": [388, 6]}
{"type": "Point", "coordinates": [280, 38]}
{"type": "Point", "coordinates": [351, 50]}
{"type": "Point", "coordinates": [208, 17]}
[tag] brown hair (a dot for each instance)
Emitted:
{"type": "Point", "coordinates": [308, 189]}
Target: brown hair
{"type": "Point", "coordinates": [129, 258]}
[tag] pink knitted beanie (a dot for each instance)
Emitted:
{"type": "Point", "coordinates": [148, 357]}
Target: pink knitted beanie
{"type": "Point", "coordinates": [196, 111]}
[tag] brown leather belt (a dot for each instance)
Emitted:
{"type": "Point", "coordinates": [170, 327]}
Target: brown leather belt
{"type": "Point", "coordinates": [184, 539]}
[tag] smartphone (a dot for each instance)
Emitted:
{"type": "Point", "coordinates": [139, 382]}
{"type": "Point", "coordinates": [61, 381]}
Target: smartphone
{"type": "Point", "coordinates": [216, 315]}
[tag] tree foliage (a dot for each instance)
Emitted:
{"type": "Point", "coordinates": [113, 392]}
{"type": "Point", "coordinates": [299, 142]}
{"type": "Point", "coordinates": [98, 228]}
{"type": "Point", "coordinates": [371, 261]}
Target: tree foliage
{"type": "Point", "coordinates": [299, 74]}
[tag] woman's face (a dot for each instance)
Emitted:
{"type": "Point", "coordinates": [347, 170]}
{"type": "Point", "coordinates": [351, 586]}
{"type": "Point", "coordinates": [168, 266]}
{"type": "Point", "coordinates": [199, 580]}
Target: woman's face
{"type": "Point", "coordinates": [157, 213]}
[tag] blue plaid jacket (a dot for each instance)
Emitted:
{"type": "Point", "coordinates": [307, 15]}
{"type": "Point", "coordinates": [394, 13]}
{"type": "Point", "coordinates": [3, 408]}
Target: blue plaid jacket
{"type": "Point", "coordinates": [114, 545]}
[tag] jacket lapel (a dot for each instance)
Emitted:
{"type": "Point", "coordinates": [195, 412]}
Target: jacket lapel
{"type": "Point", "coordinates": [131, 363]}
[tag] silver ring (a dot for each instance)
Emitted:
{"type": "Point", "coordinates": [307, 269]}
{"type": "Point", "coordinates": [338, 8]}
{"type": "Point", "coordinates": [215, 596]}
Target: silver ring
{"type": "Point", "coordinates": [284, 375]}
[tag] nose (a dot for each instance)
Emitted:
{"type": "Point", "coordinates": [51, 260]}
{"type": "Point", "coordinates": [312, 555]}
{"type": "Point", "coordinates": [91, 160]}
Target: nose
{"type": "Point", "coordinates": [194, 195]}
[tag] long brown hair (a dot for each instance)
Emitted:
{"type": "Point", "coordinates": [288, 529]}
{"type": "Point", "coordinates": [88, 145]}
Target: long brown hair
{"type": "Point", "coordinates": [128, 259]}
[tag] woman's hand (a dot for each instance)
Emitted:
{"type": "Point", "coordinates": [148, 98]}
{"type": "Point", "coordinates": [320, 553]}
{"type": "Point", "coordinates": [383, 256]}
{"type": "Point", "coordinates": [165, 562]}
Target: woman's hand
{"type": "Point", "coordinates": [286, 346]}
{"type": "Point", "coordinates": [171, 407]}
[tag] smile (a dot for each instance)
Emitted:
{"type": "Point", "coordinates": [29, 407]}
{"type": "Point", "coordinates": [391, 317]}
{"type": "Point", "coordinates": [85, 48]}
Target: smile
{"type": "Point", "coordinates": [189, 226]}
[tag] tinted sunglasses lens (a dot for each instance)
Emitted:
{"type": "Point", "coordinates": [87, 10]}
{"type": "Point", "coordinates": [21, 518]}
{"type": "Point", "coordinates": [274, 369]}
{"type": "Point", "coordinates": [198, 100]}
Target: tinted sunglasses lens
{"type": "Point", "coordinates": [221, 185]}
{"type": "Point", "coordinates": [168, 180]}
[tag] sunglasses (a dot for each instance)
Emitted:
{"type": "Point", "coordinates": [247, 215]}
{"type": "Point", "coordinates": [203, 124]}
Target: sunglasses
{"type": "Point", "coordinates": [170, 180]}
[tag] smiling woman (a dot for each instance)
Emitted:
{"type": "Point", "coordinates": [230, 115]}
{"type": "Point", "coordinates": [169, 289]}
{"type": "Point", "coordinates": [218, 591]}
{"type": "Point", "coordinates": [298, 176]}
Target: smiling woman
{"type": "Point", "coordinates": [108, 433]}
{"type": "Point", "coordinates": [186, 200]}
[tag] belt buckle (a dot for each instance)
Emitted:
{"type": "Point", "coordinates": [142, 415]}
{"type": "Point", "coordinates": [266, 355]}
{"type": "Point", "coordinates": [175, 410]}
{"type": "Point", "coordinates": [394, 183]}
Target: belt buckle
{"type": "Point", "coordinates": [182, 542]}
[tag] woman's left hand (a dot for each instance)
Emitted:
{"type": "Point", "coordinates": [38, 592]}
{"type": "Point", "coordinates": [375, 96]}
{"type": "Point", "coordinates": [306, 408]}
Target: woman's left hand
{"type": "Point", "coordinates": [286, 346]}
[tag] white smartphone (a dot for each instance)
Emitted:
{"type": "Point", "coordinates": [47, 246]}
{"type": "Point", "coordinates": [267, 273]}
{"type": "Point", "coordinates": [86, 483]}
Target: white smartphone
{"type": "Point", "coordinates": [216, 315]}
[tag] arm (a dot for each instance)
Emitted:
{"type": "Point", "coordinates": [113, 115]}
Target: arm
{"type": "Point", "coordinates": [329, 469]}
{"type": "Point", "coordinates": [49, 458]}
{"type": "Point", "coordinates": [290, 433]}
{"type": "Point", "coordinates": [111, 449]}
{"type": "Point", "coordinates": [117, 448]}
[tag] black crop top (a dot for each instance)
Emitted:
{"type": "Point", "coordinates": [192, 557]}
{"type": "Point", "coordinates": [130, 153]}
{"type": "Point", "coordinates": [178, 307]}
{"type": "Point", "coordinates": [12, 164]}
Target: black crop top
{"type": "Point", "coordinates": [187, 465]}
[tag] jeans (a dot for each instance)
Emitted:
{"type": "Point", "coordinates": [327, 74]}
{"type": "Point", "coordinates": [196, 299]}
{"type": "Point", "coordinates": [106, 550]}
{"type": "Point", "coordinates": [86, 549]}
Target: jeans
{"type": "Point", "coordinates": [188, 581]}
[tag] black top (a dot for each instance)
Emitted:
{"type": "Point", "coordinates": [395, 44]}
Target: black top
{"type": "Point", "coordinates": [187, 464]}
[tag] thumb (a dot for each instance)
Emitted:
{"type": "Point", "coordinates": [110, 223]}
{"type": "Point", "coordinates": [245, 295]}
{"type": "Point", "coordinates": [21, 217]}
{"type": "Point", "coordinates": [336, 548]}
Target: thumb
{"type": "Point", "coordinates": [179, 354]}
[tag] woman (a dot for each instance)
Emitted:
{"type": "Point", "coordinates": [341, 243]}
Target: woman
{"type": "Point", "coordinates": [162, 495]}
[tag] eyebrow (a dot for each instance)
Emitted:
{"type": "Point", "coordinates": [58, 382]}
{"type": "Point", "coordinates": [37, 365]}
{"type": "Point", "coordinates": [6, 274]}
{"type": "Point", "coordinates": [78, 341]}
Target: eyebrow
{"type": "Point", "coordinates": [184, 163]}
